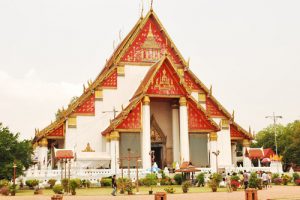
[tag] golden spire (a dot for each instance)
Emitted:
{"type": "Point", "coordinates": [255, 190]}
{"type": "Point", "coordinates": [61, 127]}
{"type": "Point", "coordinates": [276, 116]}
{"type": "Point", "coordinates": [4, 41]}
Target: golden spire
{"type": "Point", "coordinates": [210, 90]}
{"type": "Point", "coordinates": [233, 115]}
{"type": "Point", "coordinates": [151, 5]}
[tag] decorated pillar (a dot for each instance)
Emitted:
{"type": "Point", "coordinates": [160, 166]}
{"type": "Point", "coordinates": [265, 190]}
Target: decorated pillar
{"type": "Point", "coordinates": [184, 131]}
{"type": "Point", "coordinates": [224, 144]}
{"type": "Point", "coordinates": [43, 153]}
{"type": "Point", "coordinates": [146, 135]}
{"type": "Point", "coordinates": [114, 151]}
{"type": "Point", "coordinates": [214, 152]}
{"type": "Point", "coordinates": [246, 160]}
{"type": "Point", "coordinates": [233, 153]}
{"type": "Point", "coordinates": [175, 133]}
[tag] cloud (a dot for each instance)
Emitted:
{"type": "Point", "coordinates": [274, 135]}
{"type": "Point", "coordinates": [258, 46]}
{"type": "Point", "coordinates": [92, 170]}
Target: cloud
{"type": "Point", "coordinates": [29, 102]}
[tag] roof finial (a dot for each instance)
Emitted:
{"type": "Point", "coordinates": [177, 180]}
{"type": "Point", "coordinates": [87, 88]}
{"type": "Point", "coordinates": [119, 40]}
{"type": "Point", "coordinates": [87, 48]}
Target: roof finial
{"type": "Point", "coordinates": [250, 131]}
{"type": "Point", "coordinates": [142, 9]}
{"type": "Point", "coordinates": [233, 115]}
{"type": "Point", "coordinates": [151, 5]}
{"type": "Point", "coordinates": [210, 90]}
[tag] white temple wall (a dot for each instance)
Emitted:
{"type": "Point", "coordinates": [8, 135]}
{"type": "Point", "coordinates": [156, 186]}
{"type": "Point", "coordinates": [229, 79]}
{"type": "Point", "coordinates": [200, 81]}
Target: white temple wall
{"type": "Point", "coordinates": [89, 128]}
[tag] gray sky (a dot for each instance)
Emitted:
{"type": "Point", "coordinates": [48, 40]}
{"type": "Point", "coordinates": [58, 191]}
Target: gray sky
{"type": "Point", "coordinates": [248, 50]}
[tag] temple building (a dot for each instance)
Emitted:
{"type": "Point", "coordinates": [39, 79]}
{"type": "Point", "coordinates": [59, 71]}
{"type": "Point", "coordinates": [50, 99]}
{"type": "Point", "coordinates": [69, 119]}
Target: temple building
{"type": "Point", "coordinates": [146, 98]}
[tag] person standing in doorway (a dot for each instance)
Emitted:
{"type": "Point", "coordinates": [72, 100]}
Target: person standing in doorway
{"type": "Point", "coordinates": [114, 185]}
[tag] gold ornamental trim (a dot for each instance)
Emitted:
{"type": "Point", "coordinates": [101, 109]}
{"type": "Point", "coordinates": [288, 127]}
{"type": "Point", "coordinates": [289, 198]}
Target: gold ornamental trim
{"type": "Point", "coordinates": [121, 70]}
{"type": "Point", "coordinates": [246, 143]}
{"type": "Point", "coordinates": [114, 135]}
{"type": "Point", "coordinates": [213, 136]}
{"type": "Point", "coordinates": [72, 122]}
{"type": "Point", "coordinates": [146, 100]}
{"type": "Point", "coordinates": [107, 137]}
{"type": "Point", "coordinates": [98, 94]}
{"type": "Point", "coordinates": [202, 97]}
{"type": "Point", "coordinates": [88, 148]}
{"type": "Point", "coordinates": [182, 101]}
{"type": "Point", "coordinates": [43, 142]}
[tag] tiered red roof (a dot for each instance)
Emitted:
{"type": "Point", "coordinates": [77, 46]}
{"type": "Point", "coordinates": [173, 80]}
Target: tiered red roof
{"type": "Point", "coordinates": [197, 119]}
{"type": "Point", "coordinates": [133, 119]}
{"type": "Point", "coordinates": [191, 83]}
{"type": "Point", "coordinates": [255, 153]}
{"type": "Point", "coordinates": [87, 107]}
{"type": "Point", "coordinates": [212, 108]}
{"type": "Point", "coordinates": [58, 132]}
{"type": "Point", "coordinates": [64, 154]}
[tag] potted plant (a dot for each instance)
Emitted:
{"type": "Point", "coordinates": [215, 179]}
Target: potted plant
{"type": "Point", "coordinates": [38, 190]}
{"type": "Point", "coordinates": [12, 190]}
{"type": "Point", "coordinates": [58, 190]}
{"type": "Point", "coordinates": [51, 182]}
{"type": "Point", "coordinates": [185, 186]}
{"type": "Point", "coordinates": [65, 184]}
{"type": "Point", "coordinates": [74, 184]}
{"type": "Point", "coordinates": [149, 181]}
{"type": "Point", "coordinates": [200, 179]}
{"type": "Point", "coordinates": [234, 184]}
{"type": "Point", "coordinates": [128, 187]}
{"type": "Point", "coordinates": [214, 182]}
{"type": "Point", "coordinates": [286, 179]}
{"type": "Point", "coordinates": [170, 190]}
{"type": "Point", "coordinates": [121, 184]}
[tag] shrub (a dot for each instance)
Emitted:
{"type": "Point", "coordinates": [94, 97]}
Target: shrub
{"type": "Point", "coordinates": [296, 176]}
{"type": "Point", "coordinates": [150, 180]}
{"type": "Point", "coordinates": [286, 179]}
{"type": "Point", "coordinates": [275, 175]}
{"type": "Point", "coordinates": [106, 182]}
{"type": "Point", "coordinates": [5, 190]}
{"type": "Point", "coordinates": [51, 182]}
{"type": "Point", "coordinates": [235, 184]}
{"type": "Point", "coordinates": [253, 181]}
{"type": "Point", "coordinates": [170, 190]}
{"type": "Point", "coordinates": [178, 179]}
{"type": "Point", "coordinates": [4, 182]}
{"type": "Point", "coordinates": [217, 177]}
{"type": "Point", "coordinates": [235, 178]}
{"type": "Point", "coordinates": [128, 186]}
{"type": "Point", "coordinates": [74, 184]}
{"type": "Point", "coordinates": [277, 181]}
{"type": "Point", "coordinates": [65, 183]}
{"type": "Point", "coordinates": [200, 179]}
{"type": "Point", "coordinates": [85, 183]}
{"type": "Point", "coordinates": [165, 181]}
{"type": "Point", "coordinates": [32, 183]}
{"type": "Point", "coordinates": [58, 189]}
{"type": "Point", "coordinates": [185, 186]}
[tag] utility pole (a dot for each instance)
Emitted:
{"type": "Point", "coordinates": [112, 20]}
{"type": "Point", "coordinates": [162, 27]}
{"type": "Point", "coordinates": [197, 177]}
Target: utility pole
{"type": "Point", "coordinates": [112, 111]}
{"type": "Point", "coordinates": [274, 118]}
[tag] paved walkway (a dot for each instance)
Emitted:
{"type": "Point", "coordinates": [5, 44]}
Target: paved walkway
{"type": "Point", "coordinates": [276, 192]}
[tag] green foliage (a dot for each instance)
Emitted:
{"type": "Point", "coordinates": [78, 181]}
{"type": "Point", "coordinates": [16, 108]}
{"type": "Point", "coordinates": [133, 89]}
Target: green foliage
{"type": "Point", "coordinates": [296, 176]}
{"type": "Point", "coordinates": [170, 190]}
{"type": "Point", "coordinates": [253, 181]}
{"type": "Point", "coordinates": [51, 182]}
{"type": "Point", "coordinates": [58, 189]}
{"type": "Point", "coordinates": [32, 183]}
{"type": "Point", "coordinates": [85, 183]}
{"type": "Point", "coordinates": [106, 182]}
{"type": "Point", "coordinates": [286, 179]}
{"type": "Point", "coordinates": [4, 182]}
{"type": "Point", "coordinates": [235, 178]}
{"type": "Point", "coordinates": [178, 179]}
{"type": "Point", "coordinates": [200, 179]}
{"type": "Point", "coordinates": [128, 186]}
{"type": "Point", "coordinates": [274, 176]}
{"type": "Point", "coordinates": [74, 184]}
{"type": "Point", "coordinates": [217, 178]}
{"type": "Point", "coordinates": [13, 149]}
{"type": "Point", "coordinates": [288, 141]}
{"type": "Point", "coordinates": [65, 183]}
{"type": "Point", "coordinates": [185, 186]}
{"type": "Point", "coordinates": [150, 180]}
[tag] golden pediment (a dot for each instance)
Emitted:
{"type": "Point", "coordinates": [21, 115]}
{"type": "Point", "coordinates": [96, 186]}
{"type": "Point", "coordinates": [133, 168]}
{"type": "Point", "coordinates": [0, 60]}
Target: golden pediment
{"type": "Point", "coordinates": [157, 135]}
{"type": "Point", "coordinates": [164, 82]}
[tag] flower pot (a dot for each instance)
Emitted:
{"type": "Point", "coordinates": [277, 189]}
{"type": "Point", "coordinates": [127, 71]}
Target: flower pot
{"type": "Point", "coordinates": [234, 189]}
{"type": "Point", "coordinates": [184, 190]}
{"type": "Point", "coordinates": [57, 197]}
{"type": "Point", "coordinates": [13, 193]}
{"type": "Point", "coordinates": [150, 192]}
{"type": "Point", "coordinates": [130, 193]}
{"type": "Point", "coordinates": [73, 192]}
{"type": "Point", "coordinates": [214, 189]}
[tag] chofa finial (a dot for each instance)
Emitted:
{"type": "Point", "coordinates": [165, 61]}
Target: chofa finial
{"type": "Point", "coordinates": [233, 115]}
{"type": "Point", "coordinates": [151, 5]}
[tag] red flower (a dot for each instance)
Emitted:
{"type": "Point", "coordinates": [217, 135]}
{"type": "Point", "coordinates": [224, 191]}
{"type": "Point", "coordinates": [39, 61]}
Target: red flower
{"type": "Point", "coordinates": [235, 184]}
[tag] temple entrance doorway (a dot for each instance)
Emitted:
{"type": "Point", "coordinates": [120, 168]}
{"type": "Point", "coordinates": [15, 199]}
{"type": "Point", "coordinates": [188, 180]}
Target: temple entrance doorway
{"type": "Point", "coordinates": [158, 154]}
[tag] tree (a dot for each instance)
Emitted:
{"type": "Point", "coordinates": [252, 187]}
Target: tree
{"type": "Point", "coordinates": [13, 150]}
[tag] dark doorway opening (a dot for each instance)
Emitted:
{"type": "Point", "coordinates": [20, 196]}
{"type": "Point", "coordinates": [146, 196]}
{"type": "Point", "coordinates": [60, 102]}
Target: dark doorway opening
{"type": "Point", "coordinates": [158, 156]}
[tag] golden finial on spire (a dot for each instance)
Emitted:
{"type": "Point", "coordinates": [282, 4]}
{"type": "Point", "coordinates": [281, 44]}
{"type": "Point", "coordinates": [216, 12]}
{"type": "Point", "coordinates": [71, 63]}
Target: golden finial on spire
{"type": "Point", "coordinates": [142, 9]}
{"type": "Point", "coordinates": [233, 115]}
{"type": "Point", "coordinates": [210, 90]}
{"type": "Point", "coordinates": [250, 131]}
{"type": "Point", "coordinates": [83, 88]}
{"type": "Point", "coordinates": [151, 5]}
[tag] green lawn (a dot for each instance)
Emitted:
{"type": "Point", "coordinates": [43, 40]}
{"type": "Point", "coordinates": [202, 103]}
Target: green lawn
{"type": "Point", "coordinates": [108, 190]}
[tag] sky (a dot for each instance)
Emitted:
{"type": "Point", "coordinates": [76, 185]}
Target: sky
{"type": "Point", "coordinates": [249, 51]}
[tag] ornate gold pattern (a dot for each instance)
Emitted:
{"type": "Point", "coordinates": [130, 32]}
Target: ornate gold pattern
{"type": "Point", "coordinates": [213, 136]}
{"type": "Point", "coordinates": [225, 123]}
{"type": "Point", "coordinates": [146, 100]}
{"type": "Point", "coordinates": [114, 135]}
{"type": "Point", "coordinates": [164, 82]}
{"type": "Point", "coordinates": [88, 148]}
{"type": "Point", "coordinates": [182, 101]}
{"type": "Point", "coordinates": [43, 142]}
{"type": "Point", "coordinates": [180, 72]}
{"type": "Point", "coordinates": [157, 135]}
{"type": "Point", "coordinates": [246, 143]}
{"type": "Point", "coordinates": [201, 97]}
{"type": "Point", "coordinates": [72, 122]}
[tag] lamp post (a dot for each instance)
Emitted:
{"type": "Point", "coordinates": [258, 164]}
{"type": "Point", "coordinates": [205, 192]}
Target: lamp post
{"type": "Point", "coordinates": [14, 166]}
{"type": "Point", "coordinates": [217, 153]}
{"type": "Point", "coordinates": [274, 118]}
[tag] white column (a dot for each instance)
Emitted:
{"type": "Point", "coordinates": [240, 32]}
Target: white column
{"type": "Point", "coordinates": [146, 135]}
{"type": "Point", "coordinates": [184, 131]}
{"type": "Point", "coordinates": [213, 137]}
{"type": "Point", "coordinates": [43, 153]}
{"type": "Point", "coordinates": [233, 153]}
{"type": "Point", "coordinates": [114, 152]}
{"type": "Point", "coordinates": [175, 133]}
{"type": "Point", "coordinates": [246, 160]}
